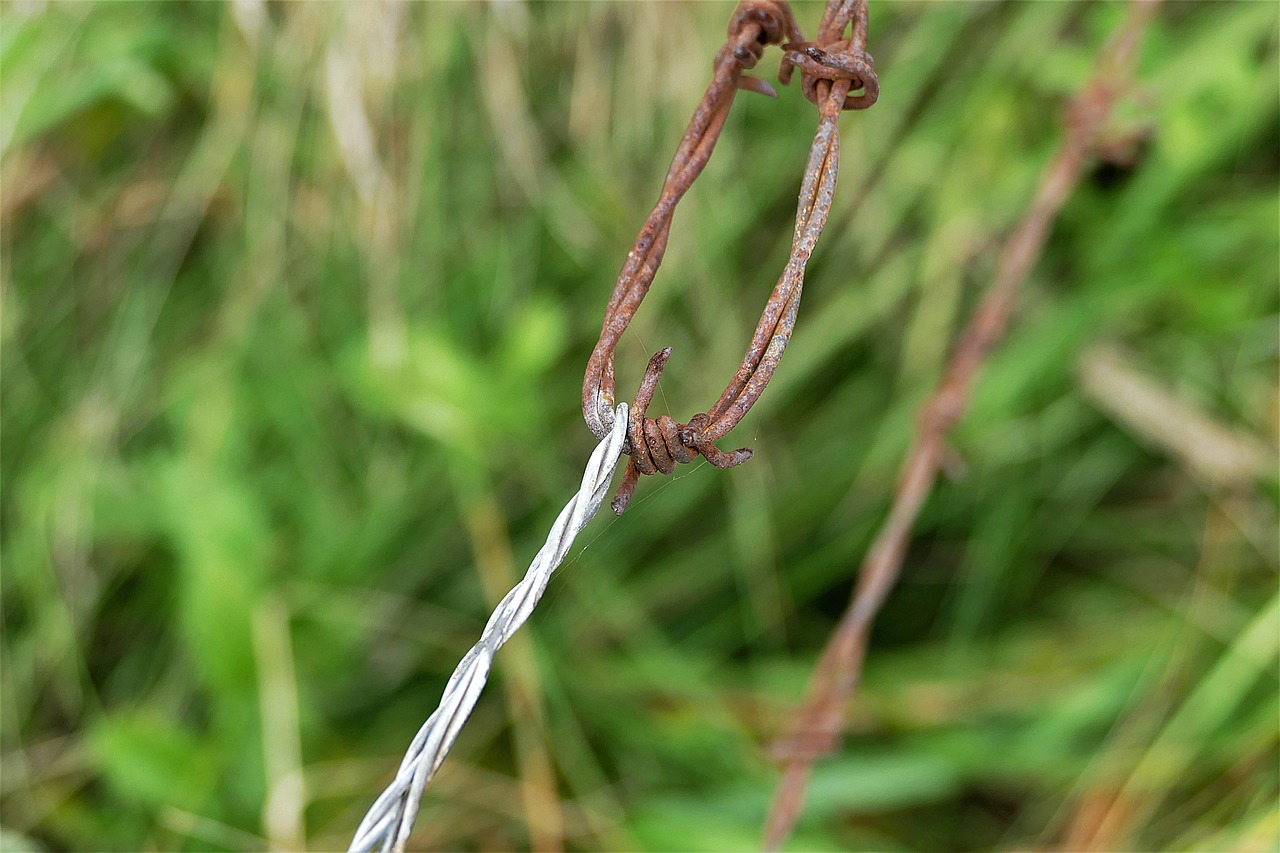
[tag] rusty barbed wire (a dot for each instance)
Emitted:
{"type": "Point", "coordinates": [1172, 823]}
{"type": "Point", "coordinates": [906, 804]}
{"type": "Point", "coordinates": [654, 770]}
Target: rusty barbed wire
{"type": "Point", "coordinates": [815, 729]}
{"type": "Point", "coordinates": [834, 68]}
{"type": "Point", "coordinates": [833, 57]}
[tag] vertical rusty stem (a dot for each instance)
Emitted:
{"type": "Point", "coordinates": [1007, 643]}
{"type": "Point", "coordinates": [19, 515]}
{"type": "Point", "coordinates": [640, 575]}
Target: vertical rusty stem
{"type": "Point", "coordinates": [816, 727]}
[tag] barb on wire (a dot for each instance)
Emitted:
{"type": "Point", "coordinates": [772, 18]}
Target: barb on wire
{"type": "Point", "coordinates": [815, 729]}
{"type": "Point", "coordinates": [833, 68]}
{"type": "Point", "coordinates": [390, 819]}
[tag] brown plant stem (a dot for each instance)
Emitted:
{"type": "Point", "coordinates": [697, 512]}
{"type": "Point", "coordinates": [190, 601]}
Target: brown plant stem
{"type": "Point", "coordinates": [817, 725]}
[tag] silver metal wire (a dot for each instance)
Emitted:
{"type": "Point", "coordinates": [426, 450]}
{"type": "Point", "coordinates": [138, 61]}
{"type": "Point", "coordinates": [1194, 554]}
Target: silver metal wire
{"type": "Point", "coordinates": [390, 820]}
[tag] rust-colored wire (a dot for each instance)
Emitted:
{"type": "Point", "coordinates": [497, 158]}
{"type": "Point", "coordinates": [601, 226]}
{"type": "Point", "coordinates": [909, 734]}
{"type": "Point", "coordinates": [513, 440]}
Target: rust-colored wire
{"type": "Point", "coordinates": [833, 68]}
{"type": "Point", "coordinates": [815, 729]}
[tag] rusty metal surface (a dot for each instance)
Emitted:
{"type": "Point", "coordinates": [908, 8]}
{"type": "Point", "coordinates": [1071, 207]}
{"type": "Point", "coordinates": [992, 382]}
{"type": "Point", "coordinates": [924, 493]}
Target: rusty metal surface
{"type": "Point", "coordinates": [836, 74]}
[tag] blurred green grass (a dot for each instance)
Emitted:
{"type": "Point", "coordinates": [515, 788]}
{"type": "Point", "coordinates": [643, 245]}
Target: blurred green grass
{"type": "Point", "coordinates": [296, 300]}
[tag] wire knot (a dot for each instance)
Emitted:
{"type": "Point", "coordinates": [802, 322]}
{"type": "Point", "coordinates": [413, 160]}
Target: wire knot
{"type": "Point", "coordinates": [840, 60]}
{"type": "Point", "coordinates": [755, 25]}
{"type": "Point", "coordinates": [657, 445]}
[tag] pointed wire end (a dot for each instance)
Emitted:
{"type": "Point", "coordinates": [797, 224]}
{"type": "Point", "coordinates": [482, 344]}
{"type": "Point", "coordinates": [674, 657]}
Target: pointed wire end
{"type": "Point", "coordinates": [628, 487]}
{"type": "Point", "coordinates": [755, 84]}
{"type": "Point", "coordinates": [732, 458]}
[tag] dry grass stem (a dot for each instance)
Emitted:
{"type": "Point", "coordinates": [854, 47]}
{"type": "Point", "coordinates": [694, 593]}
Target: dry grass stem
{"type": "Point", "coordinates": [817, 725]}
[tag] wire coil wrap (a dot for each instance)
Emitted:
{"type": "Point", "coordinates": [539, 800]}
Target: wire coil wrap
{"type": "Point", "coordinates": [832, 56]}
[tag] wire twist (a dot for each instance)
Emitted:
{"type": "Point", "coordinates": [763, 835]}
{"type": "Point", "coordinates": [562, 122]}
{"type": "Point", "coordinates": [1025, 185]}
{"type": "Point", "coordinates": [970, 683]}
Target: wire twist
{"type": "Point", "coordinates": [389, 821]}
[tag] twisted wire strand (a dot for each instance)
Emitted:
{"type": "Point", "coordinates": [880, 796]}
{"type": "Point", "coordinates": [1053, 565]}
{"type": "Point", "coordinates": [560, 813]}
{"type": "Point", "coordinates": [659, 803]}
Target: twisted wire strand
{"type": "Point", "coordinates": [389, 821]}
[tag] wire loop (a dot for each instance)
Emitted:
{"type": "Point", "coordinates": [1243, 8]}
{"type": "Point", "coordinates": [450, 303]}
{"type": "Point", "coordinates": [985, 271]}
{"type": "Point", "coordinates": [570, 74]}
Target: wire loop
{"type": "Point", "coordinates": [834, 65]}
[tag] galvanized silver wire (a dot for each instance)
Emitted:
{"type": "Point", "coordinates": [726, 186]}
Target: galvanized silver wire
{"type": "Point", "coordinates": [390, 820]}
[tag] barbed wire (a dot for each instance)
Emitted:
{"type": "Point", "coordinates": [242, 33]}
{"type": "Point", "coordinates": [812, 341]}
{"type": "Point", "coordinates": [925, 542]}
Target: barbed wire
{"type": "Point", "coordinates": [834, 68]}
{"type": "Point", "coordinates": [836, 74]}
{"type": "Point", "coordinates": [389, 821]}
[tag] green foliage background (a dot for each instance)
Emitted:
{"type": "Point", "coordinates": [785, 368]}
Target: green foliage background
{"type": "Point", "coordinates": [296, 300]}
